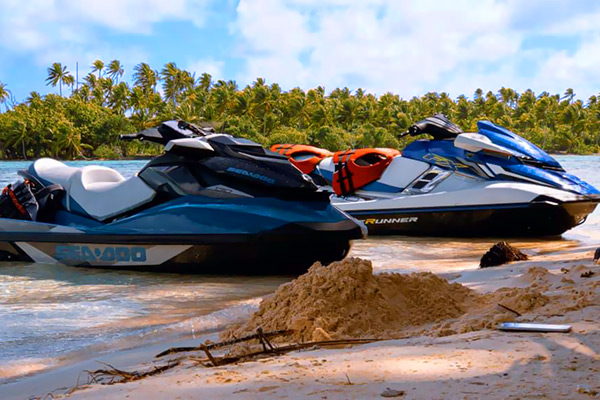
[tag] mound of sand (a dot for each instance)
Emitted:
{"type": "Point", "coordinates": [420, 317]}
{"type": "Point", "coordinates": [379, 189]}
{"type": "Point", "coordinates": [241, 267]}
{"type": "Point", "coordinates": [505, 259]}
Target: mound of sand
{"type": "Point", "coordinates": [345, 300]}
{"type": "Point", "coordinates": [545, 295]}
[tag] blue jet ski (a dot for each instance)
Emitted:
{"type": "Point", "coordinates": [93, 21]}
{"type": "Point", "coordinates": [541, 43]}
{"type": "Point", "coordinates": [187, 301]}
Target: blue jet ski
{"type": "Point", "coordinates": [489, 183]}
{"type": "Point", "coordinates": [212, 203]}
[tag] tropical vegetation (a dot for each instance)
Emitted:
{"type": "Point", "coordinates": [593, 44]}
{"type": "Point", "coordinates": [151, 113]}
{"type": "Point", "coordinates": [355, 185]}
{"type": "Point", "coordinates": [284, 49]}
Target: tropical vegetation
{"type": "Point", "coordinates": [85, 118]}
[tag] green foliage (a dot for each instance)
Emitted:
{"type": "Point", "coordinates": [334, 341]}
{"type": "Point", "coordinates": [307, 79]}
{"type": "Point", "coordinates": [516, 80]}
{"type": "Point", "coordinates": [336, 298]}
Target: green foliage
{"type": "Point", "coordinates": [89, 121]}
{"type": "Point", "coordinates": [286, 134]}
{"type": "Point", "coordinates": [107, 152]}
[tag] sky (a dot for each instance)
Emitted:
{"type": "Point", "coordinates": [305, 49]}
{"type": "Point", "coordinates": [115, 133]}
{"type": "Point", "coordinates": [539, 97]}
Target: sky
{"type": "Point", "coordinates": [404, 47]}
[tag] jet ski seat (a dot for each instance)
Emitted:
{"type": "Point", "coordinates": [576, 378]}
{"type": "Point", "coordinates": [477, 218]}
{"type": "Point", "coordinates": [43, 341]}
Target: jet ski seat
{"type": "Point", "coordinates": [94, 191]}
{"type": "Point", "coordinates": [49, 172]}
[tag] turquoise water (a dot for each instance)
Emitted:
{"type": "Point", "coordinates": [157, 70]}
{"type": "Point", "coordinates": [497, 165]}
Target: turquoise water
{"type": "Point", "coordinates": [8, 169]}
{"type": "Point", "coordinates": [51, 314]}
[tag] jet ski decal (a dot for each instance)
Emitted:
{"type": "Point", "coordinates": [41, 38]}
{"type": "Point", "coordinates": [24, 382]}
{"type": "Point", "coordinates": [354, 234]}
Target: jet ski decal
{"type": "Point", "coordinates": [445, 162]}
{"type": "Point", "coordinates": [100, 254]}
{"type": "Point", "coordinates": [380, 221]}
{"type": "Point", "coordinates": [251, 175]}
{"type": "Point", "coordinates": [92, 254]}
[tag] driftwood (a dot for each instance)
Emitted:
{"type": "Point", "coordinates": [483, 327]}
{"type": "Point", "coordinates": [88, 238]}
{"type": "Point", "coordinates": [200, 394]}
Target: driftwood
{"type": "Point", "coordinates": [112, 375]}
{"type": "Point", "coordinates": [260, 335]}
{"type": "Point", "coordinates": [119, 376]}
{"type": "Point", "coordinates": [286, 349]}
{"type": "Point", "coordinates": [501, 253]}
{"type": "Point", "coordinates": [518, 314]}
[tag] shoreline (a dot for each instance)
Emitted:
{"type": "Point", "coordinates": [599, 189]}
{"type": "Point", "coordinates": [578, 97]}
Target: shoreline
{"type": "Point", "coordinates": [482, 363]}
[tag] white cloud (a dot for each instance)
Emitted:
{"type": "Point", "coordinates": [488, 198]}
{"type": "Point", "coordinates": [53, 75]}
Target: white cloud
{"type": "Point", "coordinates": [45, 28]}
{"type": "Point", "coordinates": [413, 47]}
{"type": "Point", "coordinates": [208, 65]}
{"type": "Point", "coordinates": [579, 70]}
{"type": "Point", "coordinates": [403, 46]}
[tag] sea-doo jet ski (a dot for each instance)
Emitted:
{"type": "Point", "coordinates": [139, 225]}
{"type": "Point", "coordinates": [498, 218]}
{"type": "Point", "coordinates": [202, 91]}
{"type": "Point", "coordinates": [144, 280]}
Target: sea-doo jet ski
{"type": "Point", "coordinates": [212, 203]}
{"type": "Point", "coordinates": [489, 183]}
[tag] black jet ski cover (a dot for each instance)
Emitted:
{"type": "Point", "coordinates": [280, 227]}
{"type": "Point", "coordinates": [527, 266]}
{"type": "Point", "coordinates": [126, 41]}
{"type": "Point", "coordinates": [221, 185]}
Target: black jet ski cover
{"type": "Point", "coordinates": [438, 126]}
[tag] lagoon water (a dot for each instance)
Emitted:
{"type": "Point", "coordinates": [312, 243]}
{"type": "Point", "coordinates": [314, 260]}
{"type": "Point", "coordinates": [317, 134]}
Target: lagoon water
{"type": "Point", "coordinates": [51, 314]}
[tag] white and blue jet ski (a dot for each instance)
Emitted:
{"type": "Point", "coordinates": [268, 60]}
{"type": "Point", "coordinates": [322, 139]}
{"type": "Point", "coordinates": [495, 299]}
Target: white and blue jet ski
{"type": "Point", "coordinates": [212, 203]}
{"type": "Point", "coordinates": [489, 183]}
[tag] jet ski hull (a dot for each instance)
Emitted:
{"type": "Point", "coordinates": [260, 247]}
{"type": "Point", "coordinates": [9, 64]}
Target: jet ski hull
{"type": "Point", "coordinates": [543, 218]}
{"type": "Point", "coordinates": [192, 234]}
{"type": "Point", "coordinates": [291, 249]}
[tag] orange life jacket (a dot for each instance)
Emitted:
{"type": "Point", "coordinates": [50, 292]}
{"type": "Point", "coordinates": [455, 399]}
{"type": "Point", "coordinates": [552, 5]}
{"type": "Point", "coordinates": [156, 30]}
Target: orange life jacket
{"type": "Point", "coordinates": [300, 155]}
{"type": "Point", "coordinates": [357, 168]}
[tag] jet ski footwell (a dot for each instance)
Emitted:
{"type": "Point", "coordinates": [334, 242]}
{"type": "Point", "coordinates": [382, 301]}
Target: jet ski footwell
{"type": "Point", "coordinates": [543, 218]}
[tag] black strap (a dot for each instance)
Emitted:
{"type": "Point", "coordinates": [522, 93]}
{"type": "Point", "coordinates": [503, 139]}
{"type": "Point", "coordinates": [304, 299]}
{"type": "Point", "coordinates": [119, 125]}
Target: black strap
{"type": "Point", "coordinates": [285, 147]}
{"type": "Point", "coordinates": [45, 191]}
{"type": "Point", "coordinates": [344, 173]}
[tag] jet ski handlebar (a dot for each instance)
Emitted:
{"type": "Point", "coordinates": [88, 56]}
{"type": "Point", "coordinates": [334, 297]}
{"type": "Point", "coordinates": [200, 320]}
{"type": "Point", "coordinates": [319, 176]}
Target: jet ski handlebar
{"type": "Point", "coordinates": [132, 136]}
{"type": "Point", "coordinates": [168, 131]}
{"type": "Point", "coordinates": [438, 126]}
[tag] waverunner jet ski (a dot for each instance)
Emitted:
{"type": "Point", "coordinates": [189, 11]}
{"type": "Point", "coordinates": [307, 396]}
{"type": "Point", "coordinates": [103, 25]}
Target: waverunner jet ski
{"type": "Point", "coordinates": [212, 203]}
{"type": "Point", "coordinates": [489, 183]}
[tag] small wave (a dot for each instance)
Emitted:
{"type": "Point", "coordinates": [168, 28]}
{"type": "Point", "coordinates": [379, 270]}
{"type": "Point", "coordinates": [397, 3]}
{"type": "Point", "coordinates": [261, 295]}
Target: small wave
{"type": "Point", "coordinates": [214, 321]}
{"type": "Point", "coordinates": [24, 366]}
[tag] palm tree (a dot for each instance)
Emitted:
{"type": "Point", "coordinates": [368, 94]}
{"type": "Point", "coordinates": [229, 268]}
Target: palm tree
{"type": "Point", "coordinates": [172, 81]}
{"type": "Point", "coordinates": [91, 80]}
{"type": "Point", "coordinates": [70, 142]}
{"type": "Point", "coordinates": [205, 81]}
{"type": "Point", "coordinates": [119, 99]}
{"type": "Point", "coordinates": [98, 66]}
{"type": "Point", "coordinates": [569, 95]}
{"type": "Point", "coordinates": [69, 80]}
{"type": "Point", "coordinates": [115, 70]}
{"type": "Point", "coordinates": [56, 76]}
{"type": "Point", "coordinates": [4, 94]}
{"type": "Point", "coordinates": [34, 98]}
{"type": "Point", "coordinates": [145, 77]}
{"type": "Point", "coordinates": [19, 133]}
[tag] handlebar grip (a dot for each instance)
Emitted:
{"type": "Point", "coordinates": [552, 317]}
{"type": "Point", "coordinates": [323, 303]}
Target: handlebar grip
{"type": "Point", "coordinates": [133, 136]}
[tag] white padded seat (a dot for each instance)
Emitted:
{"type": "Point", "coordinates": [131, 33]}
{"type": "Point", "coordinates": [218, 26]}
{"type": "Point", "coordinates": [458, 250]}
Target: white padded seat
{"type": "Point", "coordinates": [52, 171]}
{"type": "Point", "coordinates": [101, 192]}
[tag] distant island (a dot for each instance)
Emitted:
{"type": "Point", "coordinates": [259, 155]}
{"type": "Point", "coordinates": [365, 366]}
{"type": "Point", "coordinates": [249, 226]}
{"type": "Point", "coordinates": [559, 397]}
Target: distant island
{"type": "Point", "coordinates": [85, 118]}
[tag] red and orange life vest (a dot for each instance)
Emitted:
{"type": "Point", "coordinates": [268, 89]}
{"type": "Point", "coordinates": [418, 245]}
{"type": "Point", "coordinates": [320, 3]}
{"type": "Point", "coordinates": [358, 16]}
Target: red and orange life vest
{"type": "Point", "coordinates": [357, 168]}
{"type": "Point", "coordinates": [299, 155]}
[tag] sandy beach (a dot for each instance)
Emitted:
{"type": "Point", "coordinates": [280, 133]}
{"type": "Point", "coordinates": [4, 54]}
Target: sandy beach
{"type": "Point", "coordinates": [434, 360]}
